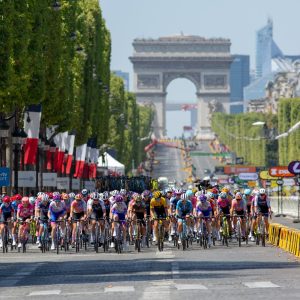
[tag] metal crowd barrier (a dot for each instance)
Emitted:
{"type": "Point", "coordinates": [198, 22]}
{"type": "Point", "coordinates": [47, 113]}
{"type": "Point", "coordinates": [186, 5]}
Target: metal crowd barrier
{"type": "Point", "coordinates": [289, 205]}
{"type": "Point", "coordinates": [285, 238]}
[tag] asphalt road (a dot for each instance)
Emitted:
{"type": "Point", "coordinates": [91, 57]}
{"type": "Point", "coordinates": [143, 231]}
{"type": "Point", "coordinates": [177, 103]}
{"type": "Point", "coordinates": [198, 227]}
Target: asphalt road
{"type": "Point", "coordinates": [231, 273]}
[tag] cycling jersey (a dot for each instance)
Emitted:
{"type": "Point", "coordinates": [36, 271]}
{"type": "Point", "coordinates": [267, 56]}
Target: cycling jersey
{"type": "Point", "coordinates": [204, 208]}
{"type": "Point", "coordinates": [78, 206]}
{"type": "Point", "coordinates": [184, 209]}
{"type": "Point", "coordinates": [174, 202]}
{"type": "Point", "coordinates": [25, 211]}
{"type": "Point", "coordinates": [5, 212]}
{"type": "Point", "coordinates": [238, 205]}
{"type": "Point", "coordinates": [56, 209]}
{"type": "Point", "coordinates": [44, 208]}
{"type": "Point", "coordinates": [159, 206]}
{"type": "Point", "coordinates": [262, 204]}
{"type": "Point", "coordinates": [97, 210]}
{"type": "Point", "coordinates": [119, 209]}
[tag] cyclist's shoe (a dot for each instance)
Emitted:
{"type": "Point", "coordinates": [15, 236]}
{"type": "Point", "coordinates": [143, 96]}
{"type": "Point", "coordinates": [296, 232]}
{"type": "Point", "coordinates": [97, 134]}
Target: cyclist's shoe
{"type": "Point", "coordinates": [112, 245]}
{"type": "Point", "coordinates": [172, 231]}
{"type": "Point", "coordinates": [37, 241]}
{"type": "Point", "coordinates": [1, 244]}
{"type": "Point", "coordinates": [14, 243]}
{"type": "Point", "coordinates": [170, 238]}
{"type": "Point", "coordinates": [209, 241]}
{"type": "Point", "coordinates": [39, 245]}
{"type": "Point", "coordinates": [52, 246]}
{"type": "Point", "coordinates": [19, 245]}
{"type": "Point", "coordinates": [179, 242]}
{"type": "Point", "coordinates": [73, 245]}
{"type": "Point", "coordinates": [92, 239]}
{"type": "Point", "coordinates": [252, 239]}
{"type": "Point", "coordinates": [154, 239]}
{"type": "Point", "coordinates": [243, 238]}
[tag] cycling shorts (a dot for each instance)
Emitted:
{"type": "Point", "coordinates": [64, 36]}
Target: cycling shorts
{"type": "Point", "coordinates": [121, 216]}
{"type": "Point", "coordinates": [240, 213]}
{"type": "Point", "coordinates": [96, 215]}
{"type": "Point", "coordinates": [225, 210]}
{"type": "Point", "coordinates": [78, 216]}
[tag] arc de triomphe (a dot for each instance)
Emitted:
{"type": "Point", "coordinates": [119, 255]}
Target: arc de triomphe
{"type": "Point", "coordinates": [205, 62]}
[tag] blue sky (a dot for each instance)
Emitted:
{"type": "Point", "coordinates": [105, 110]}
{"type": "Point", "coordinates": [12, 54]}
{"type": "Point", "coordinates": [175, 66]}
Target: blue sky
{"type": "Point", "coordinates": [237, 20]}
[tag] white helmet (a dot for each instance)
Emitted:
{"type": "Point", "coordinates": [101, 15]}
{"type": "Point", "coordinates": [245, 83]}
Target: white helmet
{"type": "Point", "coordinates": [262, 191]}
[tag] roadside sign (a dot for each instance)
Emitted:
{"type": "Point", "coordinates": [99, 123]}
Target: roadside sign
{"type": "Point", "coordinates": [63, 183]}
{"type": "Point", "coordinates": [4, 176]}
{"type": "Point", "coordinates": [264, 175]}
{"type": "Point", "coordinates": [75, 184]}
{"type": "Point", "coordinates": [49, 179]}
{"type": "Point", "coordinates": [268, 183]}
{"type": "Point", "coordinates": [294, 167]}
{"type": "Point", "coordinates": [280, 171]}
{"type": "Point", "coordinates": [25, 178]}
{"type": "Point", "coordinates": [288, 182]}
{"type": "Point", "coordinates": [248, 176]}
{"type": "Point", "coordinates": [237, 169]}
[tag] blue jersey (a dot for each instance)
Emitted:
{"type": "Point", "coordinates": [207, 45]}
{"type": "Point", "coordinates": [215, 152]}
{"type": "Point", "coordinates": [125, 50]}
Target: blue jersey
{"type": "Point", "coordinates": [6, 209]}
{"type": "Point", "coordinates": [184, 208]}
{"type": "Point", "coordinates": [174, 201]}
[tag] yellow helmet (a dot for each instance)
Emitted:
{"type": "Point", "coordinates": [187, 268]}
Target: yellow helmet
{"type": "Point", "coordinates": [157, 194]}
{"type": "Point", "coordinates": [225, 190]}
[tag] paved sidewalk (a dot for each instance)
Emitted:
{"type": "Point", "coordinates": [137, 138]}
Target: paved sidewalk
{"type": "Point", "coordinates": [287, 221]}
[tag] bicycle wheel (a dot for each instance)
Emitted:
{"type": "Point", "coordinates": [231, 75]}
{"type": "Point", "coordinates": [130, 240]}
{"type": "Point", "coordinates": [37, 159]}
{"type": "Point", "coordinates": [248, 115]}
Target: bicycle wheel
{"type": "Point", "coordinates": [77, 238]}
{"type": "Point", "coordinates": [239, 233]}
{"type": "Point", "coordinates": [5, 239]}
{"type": "Point", "coordinates": [263, 234]}
{"type": "Point", "coordinates": [57, 238]}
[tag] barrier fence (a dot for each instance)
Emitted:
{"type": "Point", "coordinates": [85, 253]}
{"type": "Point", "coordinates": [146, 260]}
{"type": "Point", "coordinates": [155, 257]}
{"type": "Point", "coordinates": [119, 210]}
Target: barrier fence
{"type": "Point", "coordinates": [289, 205]}
{"type": "Point", "coordinates": [285, 238]}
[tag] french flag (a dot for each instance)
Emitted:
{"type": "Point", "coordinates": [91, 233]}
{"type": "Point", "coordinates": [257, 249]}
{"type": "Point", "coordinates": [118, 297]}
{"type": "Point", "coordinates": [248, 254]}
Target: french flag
{"type": "Point", "coordinates": [32, 120]}
{"type": "Point", "coordinates": [70, 144]}
{"type": "Point", "coordinates": [80, 159]}
{"type": "Point", "coordinates": [87, 160]}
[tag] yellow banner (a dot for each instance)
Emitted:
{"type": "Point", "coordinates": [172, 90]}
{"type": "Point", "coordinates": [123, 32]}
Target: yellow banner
{"type": "Point", "coordinates": [265, 176]}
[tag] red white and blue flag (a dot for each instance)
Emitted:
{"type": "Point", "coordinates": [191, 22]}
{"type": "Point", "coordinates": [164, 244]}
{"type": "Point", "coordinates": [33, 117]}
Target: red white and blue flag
{"type": "Point", "coordinates": [32, 120]}
{"type": "Point", "coordinates": [70, 148]}
{"type": "Point", "coordinates": [80, 160]}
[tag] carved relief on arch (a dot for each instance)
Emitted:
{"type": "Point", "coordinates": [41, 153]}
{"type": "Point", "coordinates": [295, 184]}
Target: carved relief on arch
{"type": "Point", "coordinates": [193, 77]}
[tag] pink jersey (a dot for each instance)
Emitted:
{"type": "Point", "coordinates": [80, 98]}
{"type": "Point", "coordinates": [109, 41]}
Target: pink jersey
{"type": "Point", "coordinates": [238, 205]}
{"type": "Point", "coordinates": [78, 206]}
{"type": "Point", "coordinates": [25, 212]}
{"type": "Point", "coordinates": [194, 201]}
{"type": "Point", "coordinates": [223, 202]}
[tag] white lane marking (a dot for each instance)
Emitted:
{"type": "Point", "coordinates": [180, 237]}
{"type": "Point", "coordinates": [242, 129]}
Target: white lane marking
{"type": "Point", "coordinates": [175, 270]}
{"type": "Point", "coordinates": [119, 289]}
{"type": "Point", "coordinates": [44, 293]}
{"type": "Point", "coordinates": [163, 283]}
{"type": "Point", "coordinates": [157, 292]}
{"type": "Point", "coordinates": [81, 293]}
{"type": "Point", "coordinates": [183, 287]}
{"type": "Point", "coordinates": [260, 284]}
{"type": "Point", "coordinates": [156, 273]}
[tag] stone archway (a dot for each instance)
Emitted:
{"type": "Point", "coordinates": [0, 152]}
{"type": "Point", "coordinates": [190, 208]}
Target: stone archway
{"type": "Point", "coordinates": [205, 62]}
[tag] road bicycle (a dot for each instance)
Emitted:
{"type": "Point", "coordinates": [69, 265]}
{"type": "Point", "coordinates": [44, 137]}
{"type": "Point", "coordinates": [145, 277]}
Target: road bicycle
{"type": "Point", "coordinates": [5, 237]}
{"type": "Point", "coordinates": [106, 236]}
{"type": "Point", "coordinates": [148, 232]}
{"type": "Point", "coordinates": [160, 233]}
{"type": "Point", "coordinates": [224, 230]}
{"type": "Point", "coordinates": [119, 239]}
{"type": "Point", "coordinates": [32, 231]}
{"type": "Point", "coordinates": [138, 235]}
{"type": "Point", "coordinates": [23, 236]}
{"type": "Point", "coordinates": [203, 234]}
{"type": "Point", "coordinates": [44, 238]}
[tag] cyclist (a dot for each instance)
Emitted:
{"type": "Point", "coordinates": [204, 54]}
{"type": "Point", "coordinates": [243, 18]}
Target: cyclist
{"type": "Point", "coordinates": [85, 195]}
{"type": "Point", "coordinates": [106, 204]}
{"type": "Point", "coordinates": [119, 211]}
{"type": "Point", "coordinates": [41, 214]}
{"type": "Point", "coordinates": [57, 211]}
{"type": "Point", "coordinates": [16, 200]}
{"type": "Point", "coordinates": [146, 195]}
{"type": "Point", "coordinates": [138, 213]}
{"type": "Point", "coordinates": [77, 213]}
{"type": "Point", "coordinates": [6, 212]}
{"type": "Point", "coordinates": [248, 199]}
{"type": "Point", "coordinates": [172, 212]}
{"type": "Point", "coordinates": [204, 211]}
{"type": "Point", "coordinates": [224, 205]}
{"type": "Point", "coordinates": [238, 207]}
{"type": "Point", "coordinates": [96, 212]}
{"type": "Point", "coordinates": [184, 209]}
{"type": "Point", "coordinates": [262, 207]}
{"type": "Point", "coordinates": [24, 213]}
{"type": "Point", "coordinates": [158, 210]}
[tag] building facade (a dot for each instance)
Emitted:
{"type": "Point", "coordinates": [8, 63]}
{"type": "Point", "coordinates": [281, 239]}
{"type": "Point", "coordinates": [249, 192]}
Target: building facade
{"type": "Point", "coordinates": [239, 78]}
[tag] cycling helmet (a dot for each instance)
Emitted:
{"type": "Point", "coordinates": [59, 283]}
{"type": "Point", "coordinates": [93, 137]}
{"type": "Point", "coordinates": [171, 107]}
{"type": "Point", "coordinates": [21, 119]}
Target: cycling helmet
{"type": "Point", "coordinates": [50, 195]}
{"type": "Point", "coordinates": [45, 198]}
{"type": "Point", "coordinates": [183, 196]}
{"type": "Point", "coordinates": [6, 199]}
{"type": "Point", "coordinates": [236, 191]}
{"type": "Point", "coordinates": [72, 196]}
{"type": "Point", "coordinates": [25, 200]}
{"type": "Point", "coordinates": [238, 196]}
{"type": "Point", "coordinates": [247, 192]}
{"type": "Point", "coordinates": [18, 197]}
{"type": "Point", "coordinates": [40, 195]}
{"type": "Point", "coordinates": [215, 190]}
{"type": "Point", "coordinates": [262, 191]}
{"type": "Point", "coordinates": [123, 192]}
{"type": "Point", "coordinates": [56, 193]}
{"type": "Point", "coordinates": [178, 192]}
{"type": "Point", "coordinates": [202, 198]}
{"type": "Point", "coordinates": [95, 196]}
{"type": "Point", "coordinates": [114, 193]}
{"type": "Point", "coordinates": [138, 198]}
{"type": "Point", "coordinates": [223, 195]}
{"type": "Point", "coordinates": [225, 190]}
{"type": "Point", "coordinates": [189, 193]}
{"type": "Point", "coordinates": [146, 193]}
{"type": "Point", "coordinates": [32, 200]}
{"type": "Point", "coordinates": [210, 195]}
{"type": "Point", "coordinates": [56, 197]}
{"type": "Point", "coordinates": [78, 197]}
{"type": "Point", "coordinates": [119, 198]}
{"type": "Point", "coordinates": [157, 194]}
{"type": "Point", "coordinates": [105, 195]}
{"type": "Point", "coordinates": [84, 192]}
{"type": "Point", "coordinates": [135, 195]}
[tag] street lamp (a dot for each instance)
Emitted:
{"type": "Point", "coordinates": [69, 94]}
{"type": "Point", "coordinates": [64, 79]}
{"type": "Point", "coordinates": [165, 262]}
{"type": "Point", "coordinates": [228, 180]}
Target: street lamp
{"type": "Point", "coordinates": [4, 128]}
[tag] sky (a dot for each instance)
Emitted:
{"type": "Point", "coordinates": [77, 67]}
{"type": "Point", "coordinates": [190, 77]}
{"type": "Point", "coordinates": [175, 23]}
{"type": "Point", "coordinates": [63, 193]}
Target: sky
{"type": "Point", "coordinates": [237, 20]}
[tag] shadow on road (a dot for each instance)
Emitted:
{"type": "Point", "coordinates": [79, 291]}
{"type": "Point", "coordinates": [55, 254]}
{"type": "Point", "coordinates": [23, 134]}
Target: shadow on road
{"type": "Point", "coordinates": [97, 271]}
